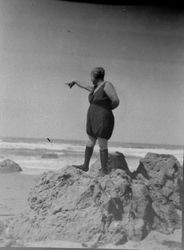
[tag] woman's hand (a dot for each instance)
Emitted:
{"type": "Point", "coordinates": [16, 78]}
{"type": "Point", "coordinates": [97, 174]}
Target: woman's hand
{"type": "Point", "coordinates": [80, 84]}
{"type": "Point", "coordinates": [70, 84]}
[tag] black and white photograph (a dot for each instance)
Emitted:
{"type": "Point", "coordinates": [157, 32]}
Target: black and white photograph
{"type": "Point", "coordinates": [91, 125]}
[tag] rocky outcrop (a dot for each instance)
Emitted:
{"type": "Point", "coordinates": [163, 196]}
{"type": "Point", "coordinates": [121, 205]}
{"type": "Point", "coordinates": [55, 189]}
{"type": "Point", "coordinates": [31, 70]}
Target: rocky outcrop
{"type": "Point", "coordinates": [9, 166]}
{"type": "Point", "coordinates": [163, 176]}
{"type": "Point", "coordinates": [115, 208]}
{"type": "Point", "coordinates": [50, 156]}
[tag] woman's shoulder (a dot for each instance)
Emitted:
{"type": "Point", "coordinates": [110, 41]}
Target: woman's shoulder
{"type": "Point", "coordinates": [108, 85]}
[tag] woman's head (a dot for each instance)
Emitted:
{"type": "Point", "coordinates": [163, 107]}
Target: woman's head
{"type": "Point", "coordinates": [97, 74]}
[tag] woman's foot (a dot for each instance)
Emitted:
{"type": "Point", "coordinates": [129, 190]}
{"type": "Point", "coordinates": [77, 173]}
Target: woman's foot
{"type": "Point", "coordinates": [103, 172]}
{"type": "Point", "coordinates": [81, 167]}
{"type": "Point", "coordinates": [87, 157]}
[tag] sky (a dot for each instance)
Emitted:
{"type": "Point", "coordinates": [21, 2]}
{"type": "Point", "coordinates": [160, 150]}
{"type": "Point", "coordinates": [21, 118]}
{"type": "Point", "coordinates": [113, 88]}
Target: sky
{"type": "Point", "coordinates": [45, 43]}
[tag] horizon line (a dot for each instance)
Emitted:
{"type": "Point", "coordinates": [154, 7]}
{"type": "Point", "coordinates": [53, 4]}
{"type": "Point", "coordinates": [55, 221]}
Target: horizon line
{"type": "Point", "coordinates": [84, 140]}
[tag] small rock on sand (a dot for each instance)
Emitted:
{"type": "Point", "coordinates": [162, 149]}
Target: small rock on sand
{"type": "Point", "coordinates": [9, 166]}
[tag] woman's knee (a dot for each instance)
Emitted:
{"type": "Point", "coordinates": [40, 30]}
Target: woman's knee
{"type": "Point", "coordinates": [103, 143]}
{"type": "Point", "coordinates": [91, 141]}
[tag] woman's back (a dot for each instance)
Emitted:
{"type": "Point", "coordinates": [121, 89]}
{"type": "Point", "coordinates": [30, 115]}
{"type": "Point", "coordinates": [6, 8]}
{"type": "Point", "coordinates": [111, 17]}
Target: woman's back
{"type": "Point", "coordinates": [99, 97]}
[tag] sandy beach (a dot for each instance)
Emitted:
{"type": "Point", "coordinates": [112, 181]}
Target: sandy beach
{"type": "Point", "coordinates": [14, 190]}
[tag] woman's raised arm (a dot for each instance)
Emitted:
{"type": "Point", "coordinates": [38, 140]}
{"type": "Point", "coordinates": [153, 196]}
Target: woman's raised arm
{"type": "Point", "coordinates": [81, 84]}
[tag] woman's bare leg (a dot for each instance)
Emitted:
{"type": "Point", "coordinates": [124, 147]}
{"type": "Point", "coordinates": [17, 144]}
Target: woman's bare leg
{"type": "Point", "coordinates": [103, 145]}
{"type": "Point", "coordinates": [88, 153]}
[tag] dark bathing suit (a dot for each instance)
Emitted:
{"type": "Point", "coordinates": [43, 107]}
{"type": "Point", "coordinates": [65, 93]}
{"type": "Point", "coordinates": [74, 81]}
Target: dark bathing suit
{"type": "Point", "coordinates": [100, 119]}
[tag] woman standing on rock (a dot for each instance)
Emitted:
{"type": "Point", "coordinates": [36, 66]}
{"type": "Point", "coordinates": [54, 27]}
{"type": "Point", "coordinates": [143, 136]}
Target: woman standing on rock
{"type": "Point", "coordinates": [100, 119]}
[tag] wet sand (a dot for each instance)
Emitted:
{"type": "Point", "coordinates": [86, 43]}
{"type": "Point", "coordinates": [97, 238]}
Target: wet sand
{"type": "Point", "coordinates": [14, 190]}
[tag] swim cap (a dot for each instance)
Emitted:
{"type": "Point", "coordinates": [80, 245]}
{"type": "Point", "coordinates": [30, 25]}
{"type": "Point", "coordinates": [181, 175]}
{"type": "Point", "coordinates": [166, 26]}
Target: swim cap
{"type": "Point", "coordinates": [98, 72]}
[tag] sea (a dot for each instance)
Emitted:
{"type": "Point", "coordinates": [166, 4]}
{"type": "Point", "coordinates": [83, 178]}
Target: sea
{"type": "Point", "coordinates": [29, 152]}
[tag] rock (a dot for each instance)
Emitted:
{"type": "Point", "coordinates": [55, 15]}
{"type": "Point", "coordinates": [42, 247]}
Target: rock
{"type": "Point", "coordinates": [9, 166]}
{"type": "Point", "coordinates": [163, 175]}
{"type": "Point", "coordinates": [62, 205]}
{"type": "Point", "coordinates": [50, 156]}
{"type": "Point", "coordinates": [140, 213]}
{"type": "Point", "coordinates": [69, 204]}
{"type": "Point", "coordinates": [96, 210]}
{"type": "Point", "coordinates": [166, 218]}
{"type": "Point", "coordinates": [153, 165]}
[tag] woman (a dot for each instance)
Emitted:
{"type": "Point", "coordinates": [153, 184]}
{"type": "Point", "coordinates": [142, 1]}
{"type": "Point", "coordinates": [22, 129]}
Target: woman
{"type": "Point", "coordinates": [100, 119]}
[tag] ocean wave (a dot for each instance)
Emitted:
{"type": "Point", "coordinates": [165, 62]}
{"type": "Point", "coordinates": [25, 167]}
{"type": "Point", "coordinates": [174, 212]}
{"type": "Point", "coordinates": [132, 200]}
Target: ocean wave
{"type": "Point", "coordinates": [64, 150]}
{"type": "Point", "coordinates": [34, 146]}
{"type": "Point", "coordinates": [140, 153]}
